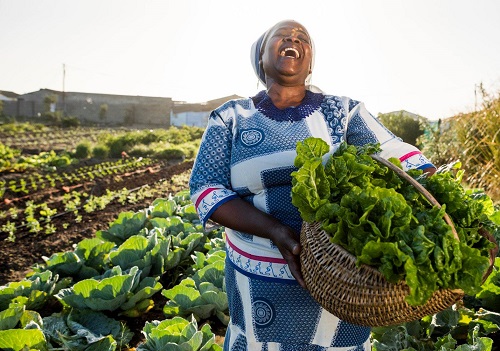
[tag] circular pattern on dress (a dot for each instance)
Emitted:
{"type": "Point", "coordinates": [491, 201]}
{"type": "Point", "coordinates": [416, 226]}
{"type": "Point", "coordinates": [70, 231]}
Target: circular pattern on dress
{"type": "Point", "coordinates": [263, 313]}
{"type": "Point", "coordinates": [251, 137]}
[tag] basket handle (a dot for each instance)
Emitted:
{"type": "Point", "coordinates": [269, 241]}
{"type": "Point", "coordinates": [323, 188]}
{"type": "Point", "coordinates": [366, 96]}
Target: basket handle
{"type": "Point", "coordinates": [419, 187]}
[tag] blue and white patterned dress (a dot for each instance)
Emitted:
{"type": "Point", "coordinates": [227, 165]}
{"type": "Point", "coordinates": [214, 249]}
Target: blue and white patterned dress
{"type": "Point", "coordinates": [248, 151]}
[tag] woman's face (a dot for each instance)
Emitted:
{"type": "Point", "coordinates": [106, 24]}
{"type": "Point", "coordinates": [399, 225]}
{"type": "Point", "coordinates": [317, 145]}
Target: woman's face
{"type": "Point", "coordinates": [287, 54]}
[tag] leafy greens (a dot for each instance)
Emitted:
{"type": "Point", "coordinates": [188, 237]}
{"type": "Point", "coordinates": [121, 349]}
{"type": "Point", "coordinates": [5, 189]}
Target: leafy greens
{"type": "Point", "coordinates": [385, 222]}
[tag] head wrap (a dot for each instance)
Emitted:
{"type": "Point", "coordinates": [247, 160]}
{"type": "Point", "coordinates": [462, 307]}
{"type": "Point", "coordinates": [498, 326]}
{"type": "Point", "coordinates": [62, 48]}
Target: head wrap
{"type": "Point", "coordinates": [255, 56]}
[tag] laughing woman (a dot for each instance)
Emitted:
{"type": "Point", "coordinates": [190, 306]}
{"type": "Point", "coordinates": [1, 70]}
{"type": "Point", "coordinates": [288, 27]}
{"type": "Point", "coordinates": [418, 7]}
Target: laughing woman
{"type": "Point", "coordinates": [241, 180]}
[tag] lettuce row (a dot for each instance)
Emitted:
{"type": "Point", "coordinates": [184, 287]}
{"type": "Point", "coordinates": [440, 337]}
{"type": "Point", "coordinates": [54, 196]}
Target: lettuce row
{"type": "Point", "coordinates": [385, 222]}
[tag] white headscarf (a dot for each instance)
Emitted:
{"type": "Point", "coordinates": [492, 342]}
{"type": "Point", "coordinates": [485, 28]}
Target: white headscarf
{"type": "Point", "coordinates": [256, 55]}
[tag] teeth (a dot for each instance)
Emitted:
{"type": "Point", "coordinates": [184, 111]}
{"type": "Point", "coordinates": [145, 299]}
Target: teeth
{"type": "Point", "coordinates": [283, 53]}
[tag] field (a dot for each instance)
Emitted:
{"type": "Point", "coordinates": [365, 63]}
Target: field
{"type": "Point", "coordinates": [28, 248]}
{"type": "Point", "coordinates": [110, 208]}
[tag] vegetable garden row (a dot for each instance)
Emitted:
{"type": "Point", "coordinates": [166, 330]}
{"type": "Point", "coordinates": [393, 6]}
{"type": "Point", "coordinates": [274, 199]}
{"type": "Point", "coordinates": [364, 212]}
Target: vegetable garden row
{"type": "Point", "coordinates": [158, 259]}
{"type": "Point", "coordinates": [36, 188]}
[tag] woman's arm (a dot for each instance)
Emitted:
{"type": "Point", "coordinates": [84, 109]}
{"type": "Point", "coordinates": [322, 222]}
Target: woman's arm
{"type": "Point", "coordinates": [214, 199]}
{"type": "Point", "coordinates": [363, 128]}
{"type": "Point", "coordinates": [242, 216]}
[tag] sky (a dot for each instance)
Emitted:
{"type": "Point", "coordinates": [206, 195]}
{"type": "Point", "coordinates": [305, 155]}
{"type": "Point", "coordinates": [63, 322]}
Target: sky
{"type": "Point", "coordinates": [424, 56]}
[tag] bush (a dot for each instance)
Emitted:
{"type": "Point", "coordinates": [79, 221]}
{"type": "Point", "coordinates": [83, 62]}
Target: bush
{"type": "Point", "coordinates": [100, 151]}
{"type": "Point", "coordinates": [69, 122]}
{"type": "Point", "coordinates": [83, 150]}
{"type": "Point", "coordinates": [402, 124]}
{"type": "Point", "coordinates": [190, 149]}
{"type": "Point", "coordinates": [52, 118]}
{"type": "Point", "coordinates": [473, 139]}
{"type": "Point", "coordinates": [173, 153]}
{"type": "Point", "coordinates": [140, 151]}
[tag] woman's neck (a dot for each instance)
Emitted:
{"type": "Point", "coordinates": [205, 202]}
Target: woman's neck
{"type": "Point", "coordinates": [283, 97]}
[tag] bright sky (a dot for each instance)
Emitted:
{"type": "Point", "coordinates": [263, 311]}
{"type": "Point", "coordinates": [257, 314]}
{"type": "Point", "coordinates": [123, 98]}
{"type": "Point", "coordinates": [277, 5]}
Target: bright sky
{"type": "Point", "coordinates": [423, 56]}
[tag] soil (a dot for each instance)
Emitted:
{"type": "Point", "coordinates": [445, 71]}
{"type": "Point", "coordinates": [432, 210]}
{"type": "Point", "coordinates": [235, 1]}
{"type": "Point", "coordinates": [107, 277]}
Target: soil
{"type": "Point", "coordinates": [18, 257]}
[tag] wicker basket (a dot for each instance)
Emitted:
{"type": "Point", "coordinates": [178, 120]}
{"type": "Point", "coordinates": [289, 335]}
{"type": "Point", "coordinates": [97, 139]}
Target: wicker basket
{"type": "Point", "coordinates": [362, 295]}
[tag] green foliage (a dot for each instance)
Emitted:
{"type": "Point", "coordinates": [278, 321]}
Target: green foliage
{"type": "Point", "coordinates": [22, 339]}
{"type": "Point", "coordinates": [100, 152]}
{"type": "Point", "coordinates": [172, 153]}
{"type": "Point", "coordinates": [126, 225]}
{"type": "Point", "coordinates": [115, 289]}
{"type": "Point", "coordinates": [15, 128]}
{"type": "Point", "coordinates": [202, 295]}
{"type": "Point", "coordinates": [12, 160]}
{"type": "Point", "coordinates": [387, 223]}
{"type": "Point", "coordinates": [83, 150]}
{"type": "Point", "coordinates": [31, 292]}
{"type": "Point", "coordinates": [178, 334]}
{"type": "Point", "coordinates": [85, 330]}
{"type": "Point", "coordinates": [70, 122]}
{"type": "Point", "coordinates": [162, 143]}
{"type": "Point", "coordinates": [473, 139]}
{"type": "Point", "coordinates": [404, 126]}
{"type": "Point", "coordinates": [103, 112]}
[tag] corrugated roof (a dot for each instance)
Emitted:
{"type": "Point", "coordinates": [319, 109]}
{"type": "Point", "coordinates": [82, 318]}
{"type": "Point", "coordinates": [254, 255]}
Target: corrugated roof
{"type": "Point", "coordinates": [181, 106]}
{"type": "Point", "coordinates": [9, 94]}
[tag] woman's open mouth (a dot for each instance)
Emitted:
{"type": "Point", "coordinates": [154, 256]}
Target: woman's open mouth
{"type": "Point", "coordinates": [290, 52]}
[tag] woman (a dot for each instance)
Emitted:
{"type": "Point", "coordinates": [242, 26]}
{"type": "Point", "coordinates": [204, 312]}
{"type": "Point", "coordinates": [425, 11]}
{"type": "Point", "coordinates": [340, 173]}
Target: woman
{"type": "Point", "coordinates": [241, 180]}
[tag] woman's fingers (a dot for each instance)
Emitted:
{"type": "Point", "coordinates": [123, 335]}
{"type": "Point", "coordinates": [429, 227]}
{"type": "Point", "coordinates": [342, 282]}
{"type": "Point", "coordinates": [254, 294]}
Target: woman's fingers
{"type": "Point", "coordinates": [292, 257]}
{"type": "Point", "coordinates": [285, 239]}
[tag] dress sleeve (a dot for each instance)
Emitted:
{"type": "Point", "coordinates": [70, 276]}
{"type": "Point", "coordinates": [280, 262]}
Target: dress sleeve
{"type": "Point", "coordinates": [210, 180]}
{"type": "Point", "coordinates": [363, 128]}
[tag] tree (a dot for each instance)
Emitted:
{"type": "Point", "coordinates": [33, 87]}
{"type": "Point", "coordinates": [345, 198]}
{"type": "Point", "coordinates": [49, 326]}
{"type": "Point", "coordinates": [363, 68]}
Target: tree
{"type": "Point", "coordinates": [50, 103]}
{"type": "Point", "coordinates": [129, 118]}
{"type": "Point", "coordinates": [103, 112]}
{"type": "Point", "coordinates": [407, 126]}
{"type": "Point", "coordinates": [50, 114]}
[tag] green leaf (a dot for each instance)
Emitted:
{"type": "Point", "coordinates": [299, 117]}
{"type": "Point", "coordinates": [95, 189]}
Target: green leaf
{"type": "Point", "coordinates": [10, 317]}
{"type": "Point", "coordinates": [126, 225]}
{"type": "Point", "coordinates": [18, 339]}
{"type": "Point", "coordinates": [135, 251]}
{"type": "Point", "coordinates": [310, 148]}
{"type": "Point", "coordinates": [163, 208]}
{"type": "Point", "coordinates": [106, 294]}
{"type": "Point", "coordinates": [147, 288]}
{"type": "Point", "coordinates": [310, 189]}
{"type": "Point", "coordinates": [93, 251]}
{"type": "Point", "coordinates": [65, 264]}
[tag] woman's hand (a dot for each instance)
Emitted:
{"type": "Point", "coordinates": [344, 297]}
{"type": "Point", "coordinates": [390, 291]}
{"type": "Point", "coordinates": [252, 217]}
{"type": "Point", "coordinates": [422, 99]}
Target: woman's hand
{"type": "Point", "coordinates": [240, 215]}
{"type": "Point", "coordinates": [286, 241]}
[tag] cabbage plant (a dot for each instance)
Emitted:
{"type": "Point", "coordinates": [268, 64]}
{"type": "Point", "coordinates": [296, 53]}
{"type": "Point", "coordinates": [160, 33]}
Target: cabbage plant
{"type": "Point", "coordinates": [203, 295]}
{"type": "Point", "coordinates": [112, 291]}
{"type": "Point", "coordinates": [178, 334]}
{"type": "Point", "coordinates": [85, 330]}
{"type": "Point", "coordinates": [35, 290]}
